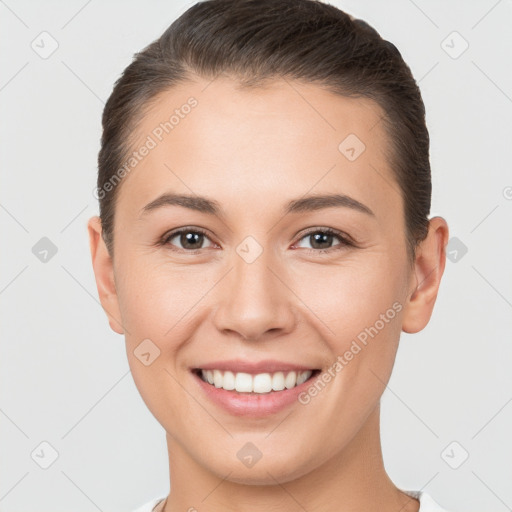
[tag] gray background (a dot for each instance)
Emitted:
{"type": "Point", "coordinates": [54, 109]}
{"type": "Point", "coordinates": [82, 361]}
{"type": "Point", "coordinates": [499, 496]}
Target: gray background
{"type": "Point", "coordinates": [64, 374]}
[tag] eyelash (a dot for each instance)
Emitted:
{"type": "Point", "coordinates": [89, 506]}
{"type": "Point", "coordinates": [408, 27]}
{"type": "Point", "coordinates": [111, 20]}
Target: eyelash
{"type": "Point", "coordinates": [344, 240]}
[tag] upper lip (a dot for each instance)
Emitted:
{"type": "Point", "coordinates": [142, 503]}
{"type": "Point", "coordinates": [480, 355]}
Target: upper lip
{"type": "Point", "coordinates": [252, 367]}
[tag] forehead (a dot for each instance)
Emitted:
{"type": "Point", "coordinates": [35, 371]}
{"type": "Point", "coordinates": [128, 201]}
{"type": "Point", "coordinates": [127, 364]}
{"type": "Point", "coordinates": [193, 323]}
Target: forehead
{"type": "Point", "coordinates": [241, 144]}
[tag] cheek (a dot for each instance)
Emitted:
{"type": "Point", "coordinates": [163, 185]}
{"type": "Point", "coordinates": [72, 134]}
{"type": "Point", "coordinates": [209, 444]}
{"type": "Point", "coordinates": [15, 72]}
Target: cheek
{"type": "Point", "coordinates": [157, 305]}
{"type": "Point", "coordinates": [157, 300]}
{"type": "Point", "coordinates": [350, 296]}
{"type": "Point", "coordinates": [357, 311]}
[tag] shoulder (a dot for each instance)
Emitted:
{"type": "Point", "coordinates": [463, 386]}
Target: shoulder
{"type": "Point", "coordinates": [427, 503]}
{"type": "Point", "coordinates": [150, 505]}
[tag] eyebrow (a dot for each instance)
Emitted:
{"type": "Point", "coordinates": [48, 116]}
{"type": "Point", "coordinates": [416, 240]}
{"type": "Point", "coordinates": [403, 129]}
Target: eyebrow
{"type": "Point", "coordinates": [301, 205]}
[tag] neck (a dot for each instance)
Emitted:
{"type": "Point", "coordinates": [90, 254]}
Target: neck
{"type": "Point", "coordinates": [351, 480]}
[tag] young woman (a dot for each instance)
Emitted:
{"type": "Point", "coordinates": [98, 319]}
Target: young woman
{"type": "Point", "coordinates": [263, 240]}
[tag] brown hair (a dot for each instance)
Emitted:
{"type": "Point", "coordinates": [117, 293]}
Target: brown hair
{"type": "Point", "coordinates": [255, 40]}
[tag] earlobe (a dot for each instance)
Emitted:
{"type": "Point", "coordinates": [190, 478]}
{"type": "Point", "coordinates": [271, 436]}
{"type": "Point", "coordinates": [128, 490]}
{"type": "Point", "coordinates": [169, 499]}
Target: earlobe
{"type": "Point", "coordinates": [104, 274]}
{"type": "Point", "coordinates": [428, 269]}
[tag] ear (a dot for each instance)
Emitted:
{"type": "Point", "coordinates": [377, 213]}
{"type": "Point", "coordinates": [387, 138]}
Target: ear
{"type": "Point", "coordinates": [425, 280]}
{"type": "Point", "coordinates": [104, 274]}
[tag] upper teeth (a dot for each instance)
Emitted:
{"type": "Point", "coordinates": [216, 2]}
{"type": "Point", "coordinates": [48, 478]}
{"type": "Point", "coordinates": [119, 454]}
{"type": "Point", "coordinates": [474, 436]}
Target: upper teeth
{"type": "Point", "coordinates": [259, 383]}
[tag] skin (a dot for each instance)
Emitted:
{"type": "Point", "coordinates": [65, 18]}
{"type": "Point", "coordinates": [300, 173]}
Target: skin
{"type": "Point", "coordinates": [253, 150]}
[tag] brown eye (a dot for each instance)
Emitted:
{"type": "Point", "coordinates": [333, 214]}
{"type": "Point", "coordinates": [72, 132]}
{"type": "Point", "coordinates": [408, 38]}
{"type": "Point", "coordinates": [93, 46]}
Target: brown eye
{"type": "Point", "coordinates": [186, 239]}
{"type": "Point", "coordinates": [321, 240]}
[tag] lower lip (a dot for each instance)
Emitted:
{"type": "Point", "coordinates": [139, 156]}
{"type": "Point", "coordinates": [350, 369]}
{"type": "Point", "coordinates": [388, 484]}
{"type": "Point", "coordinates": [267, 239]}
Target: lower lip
{"type": "Point", "coordinates": [252, 404]}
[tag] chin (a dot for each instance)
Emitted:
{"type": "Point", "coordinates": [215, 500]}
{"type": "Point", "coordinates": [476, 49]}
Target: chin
{"type": "Point", "coordinates": [269, 470]}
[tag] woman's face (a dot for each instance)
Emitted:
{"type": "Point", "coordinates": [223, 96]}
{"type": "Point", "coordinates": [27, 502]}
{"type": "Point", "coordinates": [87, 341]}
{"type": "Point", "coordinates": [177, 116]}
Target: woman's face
{"type": "Point", "coordinates": [258, 280]}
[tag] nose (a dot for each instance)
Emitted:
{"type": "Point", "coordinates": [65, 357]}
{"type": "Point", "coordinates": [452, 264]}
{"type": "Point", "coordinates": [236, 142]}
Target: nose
{"type": "Point", "coordinates": [255, 301]}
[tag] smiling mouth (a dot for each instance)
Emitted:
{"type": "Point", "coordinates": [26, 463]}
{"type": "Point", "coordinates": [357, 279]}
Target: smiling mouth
{"type": "Point", "coordinates": [255, 383]}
